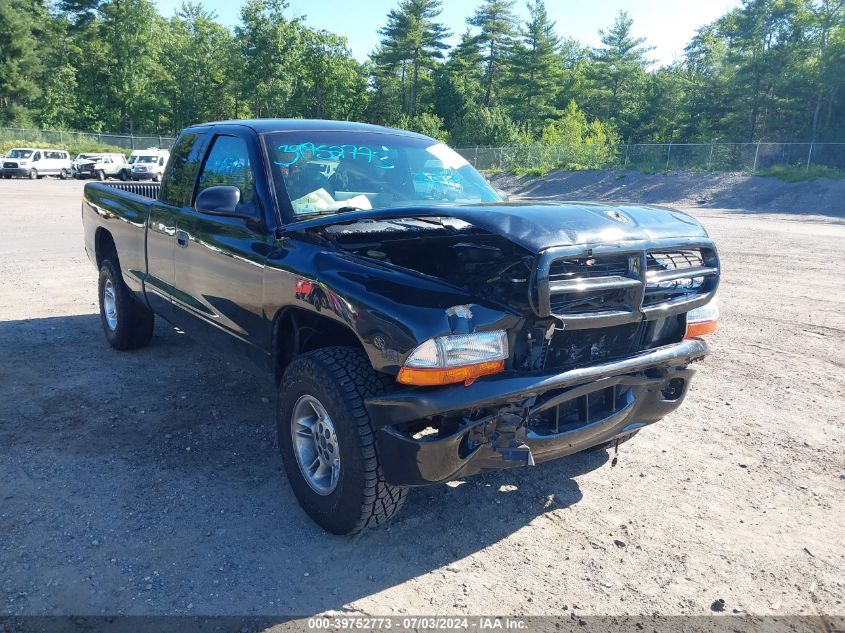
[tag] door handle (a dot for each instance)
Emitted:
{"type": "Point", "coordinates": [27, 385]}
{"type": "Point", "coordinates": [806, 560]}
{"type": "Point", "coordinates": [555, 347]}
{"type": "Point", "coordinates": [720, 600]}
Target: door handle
{"type": "Point", "coordinates": [182, 238]}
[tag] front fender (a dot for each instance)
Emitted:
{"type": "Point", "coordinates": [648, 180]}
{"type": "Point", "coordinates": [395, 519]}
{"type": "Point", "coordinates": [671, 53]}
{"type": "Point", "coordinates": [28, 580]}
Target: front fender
{"type": "Point", "coordinates": [391, 310]}
{"type": "Point", "coordinates": [395, 310]}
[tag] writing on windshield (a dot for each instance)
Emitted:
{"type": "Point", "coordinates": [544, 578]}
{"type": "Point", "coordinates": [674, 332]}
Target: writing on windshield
{"type": "Point", "coordinates": [292, 154]}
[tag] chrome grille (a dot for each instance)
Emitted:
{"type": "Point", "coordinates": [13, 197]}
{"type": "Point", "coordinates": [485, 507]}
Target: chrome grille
{"type": "Point", "coordinates": [607, 285]}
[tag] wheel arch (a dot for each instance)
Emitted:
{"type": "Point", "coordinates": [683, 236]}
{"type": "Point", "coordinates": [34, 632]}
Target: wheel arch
{"type": "Point", "coordinates": [296, 331]}
{"type": "Point", "coordinates": [103, 246]}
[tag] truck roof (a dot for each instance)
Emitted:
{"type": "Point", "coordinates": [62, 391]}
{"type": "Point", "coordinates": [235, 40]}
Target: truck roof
{"type": "Point", "coordinates": [309, 125]}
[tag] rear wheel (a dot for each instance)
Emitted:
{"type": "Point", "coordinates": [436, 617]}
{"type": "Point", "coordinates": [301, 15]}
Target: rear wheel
{"type": "Point", "coordinates": [328, 444]}
{"type": "Point", "coordinates": [126, 323]}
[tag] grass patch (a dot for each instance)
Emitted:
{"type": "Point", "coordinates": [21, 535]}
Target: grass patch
{"type": "Point", "coordinates": [800, 174]}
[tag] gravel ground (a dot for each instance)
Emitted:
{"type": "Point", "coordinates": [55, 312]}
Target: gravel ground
{"type": "Point", "coordinates": [150, 482]}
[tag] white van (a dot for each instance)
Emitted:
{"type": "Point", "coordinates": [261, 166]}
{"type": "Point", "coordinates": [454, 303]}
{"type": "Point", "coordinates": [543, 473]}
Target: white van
{"type": "Point", "coordinates": [36, 162]}
{"type": "Point", "coordinates": [148, 164]}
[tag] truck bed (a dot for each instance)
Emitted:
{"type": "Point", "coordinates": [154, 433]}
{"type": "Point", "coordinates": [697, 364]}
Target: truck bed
{"type": "Point", "coordinates": [144, 189]}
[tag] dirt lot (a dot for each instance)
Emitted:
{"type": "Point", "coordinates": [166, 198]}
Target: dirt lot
{"type": "Point", "coordinates": [150, 482]}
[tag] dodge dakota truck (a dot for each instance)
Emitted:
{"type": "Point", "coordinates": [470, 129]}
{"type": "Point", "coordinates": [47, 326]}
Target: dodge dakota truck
{"type": "Point", "coordinates": [418, 327]}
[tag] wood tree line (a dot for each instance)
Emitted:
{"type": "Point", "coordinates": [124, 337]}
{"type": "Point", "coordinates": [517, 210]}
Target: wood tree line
{"type": "Point", "coordinates": [768, 70]}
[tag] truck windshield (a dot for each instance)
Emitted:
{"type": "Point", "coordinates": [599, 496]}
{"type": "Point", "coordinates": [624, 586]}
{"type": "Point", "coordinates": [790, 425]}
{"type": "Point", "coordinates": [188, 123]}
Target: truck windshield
{"type": "Point", "coordinates": [328, 172]}
{"type": "Point", "coordinates": [146, 159]}
{"type": "Point", "coordinates": [20, 153]}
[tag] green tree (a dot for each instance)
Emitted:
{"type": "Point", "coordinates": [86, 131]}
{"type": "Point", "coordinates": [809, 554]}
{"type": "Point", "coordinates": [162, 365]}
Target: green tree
{"type": "Point", "coordinates": [828, 24]}
{"type": "Point", "coordinates": [412, 45]}
{"type": "Point", "coordinates": [21, 64]}
{"type": "Point", "coordinates": [458, 85]}
{"type": "Point", "coordinates": [766, 40]}
{"type": "Point", "coordinates": [490, 127]}
{"type": "Point", "coordinates": [197, 58]}
{"type": "Point", "coordinates": [269, 52]}
{"type": "Point", "coordinates": [535, 68]}
{"type": "Point", "coordinates": [334, 85]}
{"type": "Point", "coordinates": [497, 24]}
{"type": "Point", "coordinates": [57, 104]}
{"type": "Point", "coordinates": [130, 31]}
{"type": "Point", "coordinates": [425, 123]}
{"type": "Point", "coordinates": [618, 75]}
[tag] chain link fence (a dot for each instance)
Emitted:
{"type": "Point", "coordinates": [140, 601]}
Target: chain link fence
{"type": "Point", "coordinates": [63, 138]}
{"type": "Point", "coordinates": [717, 156]}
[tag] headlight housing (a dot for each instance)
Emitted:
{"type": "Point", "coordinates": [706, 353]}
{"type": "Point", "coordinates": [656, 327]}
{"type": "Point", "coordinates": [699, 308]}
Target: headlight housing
{"type": "Point", "coordinates": [456, 358]}
{"type": "Point", "coordinates": [702, 320]}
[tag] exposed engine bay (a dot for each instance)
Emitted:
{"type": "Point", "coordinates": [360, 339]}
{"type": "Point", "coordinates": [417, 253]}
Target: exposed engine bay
{"type": "Point", "coordinates": [493, 267]}
{"type": "Point", "coordinates": [487, 265]}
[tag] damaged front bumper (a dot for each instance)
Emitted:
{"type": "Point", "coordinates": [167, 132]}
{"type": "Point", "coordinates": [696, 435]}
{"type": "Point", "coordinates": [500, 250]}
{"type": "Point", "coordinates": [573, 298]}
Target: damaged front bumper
{"type": "Point", "coordinates": [499, 414]}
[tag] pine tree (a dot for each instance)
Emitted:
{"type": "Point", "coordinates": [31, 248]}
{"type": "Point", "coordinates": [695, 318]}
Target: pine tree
{"type": "Point", "coordinates": [497, 22]}
{"type": "Point", "coordinates": [618, 75]}
{"type": "Point", "coordinates": [413, 42]}
{"type": "Point", "coordinates": [535, 68]}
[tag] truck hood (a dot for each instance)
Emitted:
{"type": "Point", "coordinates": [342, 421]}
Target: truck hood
{"type": "Point", "coordinates": [537, 226]}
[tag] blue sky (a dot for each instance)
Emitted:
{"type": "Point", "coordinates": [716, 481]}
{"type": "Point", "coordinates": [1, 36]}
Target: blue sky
{"type": "Point", "coordinates": [668, 24]}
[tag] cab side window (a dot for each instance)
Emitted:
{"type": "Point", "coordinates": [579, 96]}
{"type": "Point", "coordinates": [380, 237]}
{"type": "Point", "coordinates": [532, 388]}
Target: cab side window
{"type": "Point", "coordinates": [36, 156]}
{"type": "Point", "coordinates": [178, 182]}
{"type": "Point", "coordinates": [228, 164]}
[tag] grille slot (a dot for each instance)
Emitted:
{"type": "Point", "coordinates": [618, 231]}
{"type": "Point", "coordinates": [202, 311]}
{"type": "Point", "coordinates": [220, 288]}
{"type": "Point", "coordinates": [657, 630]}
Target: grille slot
{"type": "Point", "coordinates": [676, 275]}
{"type": "Point", "coordinates": [588, 268]}
{"type": "Point", "coordinates": [587, 302]}
{"type": "Point", "coordinates": [580, 410]}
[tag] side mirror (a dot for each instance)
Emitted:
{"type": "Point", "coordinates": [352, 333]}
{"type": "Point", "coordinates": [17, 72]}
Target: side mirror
{"type": "Point", "coordinates": [503, 194]}
{"type": "Point", "coordinates": [219, 200]}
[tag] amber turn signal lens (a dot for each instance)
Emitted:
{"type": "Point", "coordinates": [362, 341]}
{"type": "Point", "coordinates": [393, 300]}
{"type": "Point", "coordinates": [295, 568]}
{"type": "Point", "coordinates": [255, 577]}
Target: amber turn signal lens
{"type": "Point", "coordinates": [430, 376]}
{"type": "Point", "coordinates": [694, 330]}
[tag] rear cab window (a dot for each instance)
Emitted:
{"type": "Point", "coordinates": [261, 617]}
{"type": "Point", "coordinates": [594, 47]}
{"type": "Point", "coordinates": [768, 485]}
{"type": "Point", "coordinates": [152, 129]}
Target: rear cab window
{"type": "Point", "coordinates": [177, 185]}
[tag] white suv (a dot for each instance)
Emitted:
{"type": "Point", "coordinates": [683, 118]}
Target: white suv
{"type": "Point", "coordinates": [148, 164]}
{"type": "Point", "coordinates": [36, 162]}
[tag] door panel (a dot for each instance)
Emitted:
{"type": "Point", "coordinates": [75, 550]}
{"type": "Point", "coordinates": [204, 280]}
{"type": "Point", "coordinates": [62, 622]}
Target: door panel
{"type": "Point", "coordinates": [219, 279]}
{"type": "Point", "coordinates": [174, 197]}
{"type": "Point", "coordinates": [219, 260]}
{"type": "Point", "coordinates": [161, 244]}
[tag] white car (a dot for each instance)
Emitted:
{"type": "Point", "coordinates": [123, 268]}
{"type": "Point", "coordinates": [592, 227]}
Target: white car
{"type": "Point", "coordinates": [148, 164]}
{"type": "Point", "coordinates": [34, 163]}
{"type": "Point", "coordinates": [101, 166]}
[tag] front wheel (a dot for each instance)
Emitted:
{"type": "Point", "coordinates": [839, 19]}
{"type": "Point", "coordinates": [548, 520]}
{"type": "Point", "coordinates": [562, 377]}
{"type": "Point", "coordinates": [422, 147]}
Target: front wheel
{"type": "Point", "coordinates": [63, 174]}
{"type": "Point", "coordinates": [328, 444]}
{"type": "Point", "coordinates": [101, 175]}
{"type": "Point", "coordinates": [124, 175]}
{"type": "Point", "coordinates": [33, 174]}
{"type": "Point", "coordinates": [126, 323]}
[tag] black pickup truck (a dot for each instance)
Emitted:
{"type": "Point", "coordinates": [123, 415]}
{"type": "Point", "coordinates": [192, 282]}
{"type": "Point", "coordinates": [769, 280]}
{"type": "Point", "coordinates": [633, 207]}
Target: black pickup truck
{"type": "Point", "coordinates": [419, 327]}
